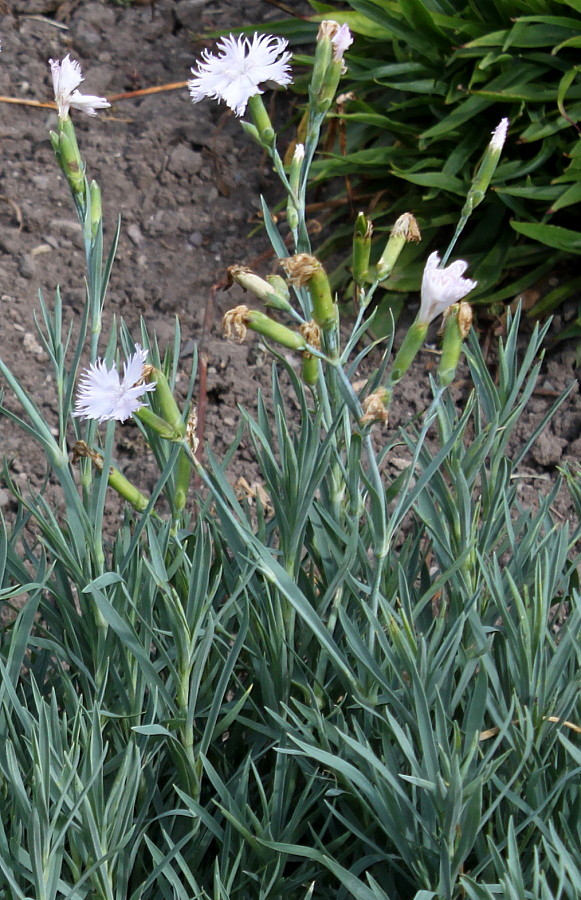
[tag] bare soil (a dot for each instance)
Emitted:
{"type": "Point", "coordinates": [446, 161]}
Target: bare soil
{"type": "Point", "coordinates": [186, 182]}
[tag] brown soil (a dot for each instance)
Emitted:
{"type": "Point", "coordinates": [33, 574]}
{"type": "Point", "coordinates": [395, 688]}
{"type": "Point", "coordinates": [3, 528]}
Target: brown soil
{"type": "Point", "coordinates": [186, 182]}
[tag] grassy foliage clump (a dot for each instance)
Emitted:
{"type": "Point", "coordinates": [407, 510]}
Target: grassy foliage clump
{"type": "Point", "coordinates": [243, 708]}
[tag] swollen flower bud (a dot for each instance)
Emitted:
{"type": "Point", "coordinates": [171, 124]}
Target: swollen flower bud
{"type": "Point", "coordinates": [406, 354]}
{"type": "Point", "coordinates": [236, 322]}
{"type": "Point", "coordinates": [115, 479]}
{"type": "Point", "coordinates": [261, 121]}
{"type": "Point", "coordinates": [361, 248]}
{"type": "Point", "coordinates": [96, 208]}
{"type": "Point", "coordinates": [405, 230]}
{"type": "Point", "coordinates": [457, 322]}
{"type": "Point", "coordinates": [332, 42]}
{"type": "Point", "coordinates": [273, 292]}
{"type": "Point", "coordinates": [165, 401]}
{"type": "Point", "coordinates": [292, 211]}
{"type": "Point", "coordinates": [306, 270]}
{"type": "Point", "coordinates": [487, 168]}
{"type": "Point", "coordinates": [68, 156]}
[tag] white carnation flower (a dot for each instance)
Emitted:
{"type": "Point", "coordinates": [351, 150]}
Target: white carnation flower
{"type": "Point", "coordinates": [442, 287]}
{"type": "Point", "coordinates": [66, 77]}
{"type": "Point", "coordinates": [243, 64]}
{"type": "Point", "coordinates": [104, 395]}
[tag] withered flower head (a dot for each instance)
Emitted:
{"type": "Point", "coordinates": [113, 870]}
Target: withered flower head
{"type": "Point", "coordinates": [340, 36]}
{"type": "Point", "coordinates": [81, 450]}
{"type": "Point", "coordinates": [234, 323]}
{"type": "Point", "coordinates": [374, 409]}
{"type": "Point", "coordinates": [234, 273]}
{"type": "Point", "coordinates": [407, 227]}
{"type": "Point", "coordinates": [342, 99]}
{"type": "Point", "coordinates": [465, 319]}
{"type": "Point", "coordinates": [191, 431]}
{"type": "Point", "coordinates": [327, 28]}
{"type": "Point", "coordinates": [300, 268]}
{"type": "Point", "coordinates": [311, 333]}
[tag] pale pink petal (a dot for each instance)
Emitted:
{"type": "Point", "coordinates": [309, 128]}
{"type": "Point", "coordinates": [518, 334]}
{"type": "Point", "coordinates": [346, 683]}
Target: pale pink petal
{"type": "Point", "coordinates": [341, 41]}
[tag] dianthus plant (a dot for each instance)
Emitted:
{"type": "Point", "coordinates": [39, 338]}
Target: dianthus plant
{"type": "Point", "coordinates": [321, 685]}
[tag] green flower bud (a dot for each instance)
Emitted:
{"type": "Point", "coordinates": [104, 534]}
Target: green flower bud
{"type": "Point", "coordinates": [96, 208]}
{"type": "Point", "coordinates": [332, 41]}
{"type": "Point", "coordinates": [273, 292]}
{"type": "Point", "coordinates": [261, 120]}
{"type": "Point", "coordinates": [406, 354]}
{"type": "Point", "coordinates": [251, 130]}
{"type": "Point", "coordinates": [115, 479]}
{"type": "Point", "coordinates": [279, 296]}
{"type": "Point", "coordinates": [306, 270]}
{"type": "Point", "coordinates": [236, 322]}
{"type": "Point", "coordinates": [146, 415]}
{"type": "Point", "coordinates": [165, 402]}
{"type": "Point", "coordinates": [127, 490]}
{"type": "Point", "coordinates": [310, 369]}
{"type": "Point", "coordinates": [457, 322]}
{"type": "Point", "coordinates": [323, 57]}
{"type": "Point", "coordinates": [486, 169]}
{"type": "Point", "coordinates": [361, 248]}
{"type": "Point", "coordinates": [69, 157]}
{"type": "Point", "coordinates": [405, 229]}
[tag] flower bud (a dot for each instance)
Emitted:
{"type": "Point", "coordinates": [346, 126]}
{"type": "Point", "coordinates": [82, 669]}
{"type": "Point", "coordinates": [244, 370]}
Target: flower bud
{"type": "Point", "coordinates": [279, 295]}
{"type": "Point", "coordinates": [68, 156]}
{"type": "Point", "coordinates": [306, 270]}
{"type": "Point", "coordinates": [405, 229]}
{"type": "Point", "coordinates": [292, 211]}
{"type": "Point", "coordinates": [159, 425]}
{"type": "Point", "coordinates": [323, 57]}
{"type": "Point", "coordinates": [96, 208]}
{"type": "Point", "coordinates": [273, 292]}
{"type": "Point", "coordinates": [361, 248]}
{"type": "Point", "coordinates": [165, 401]}
{"type": "Point", "coordinates": [487, 168]}
{"type": "Point", "coordinates": [310, 368]}
{"type": "Point", "coordinates": [236, 322]}
{"type": "Point", "coordinates": [457, 324]}
{"type": "Point", "coordinates": [261, 121]}
{"type": "Point", "coordinates": [451, 347]}
{"type": "Point", "coordinates": [115, 479]}
{"type": "Point", "coordinates": [332, 41]}
{"type": "Point", "coordinates": [251, 130]}
{"type": "Point", "coordinates": [406, 354]}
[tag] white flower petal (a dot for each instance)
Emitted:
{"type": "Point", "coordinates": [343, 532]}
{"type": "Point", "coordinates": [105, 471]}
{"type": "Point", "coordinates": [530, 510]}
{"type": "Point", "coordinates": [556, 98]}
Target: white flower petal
{"type": "Point", "coordinates": [499, 135]}
{"type": "Point", "coordinates": [341, 41]}
{"type": "Point", "coordinates": [103, 395]}
{"type": "Point", "coordinates": [88, 103]}
{"type": "Point", "coordinates": [243, 64]}
{"type": "Point", "coordinates": [66, 77]}
{"type": "Point", "coordinates": [442, 287]}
